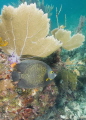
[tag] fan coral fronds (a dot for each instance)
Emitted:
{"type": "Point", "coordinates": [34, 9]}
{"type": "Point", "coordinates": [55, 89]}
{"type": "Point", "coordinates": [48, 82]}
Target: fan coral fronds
{"type": "Point", "coordinates": [69, 42]}
{"type": "Point", "coordinates": [26, 29]}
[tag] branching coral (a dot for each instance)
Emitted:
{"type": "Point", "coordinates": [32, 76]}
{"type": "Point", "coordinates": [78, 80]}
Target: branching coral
{"type": "Point", "coordinates": [81, 24]}
{"type": "Point", "coordinates": [25, 29]}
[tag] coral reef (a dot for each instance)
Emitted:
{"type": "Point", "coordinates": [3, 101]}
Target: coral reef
{"type": "Point", "coordinates": [24, 32]}
{"type": "Point", "coordinates": [23, 104]}
{"type": "Point", "coordinates": [76, 109]}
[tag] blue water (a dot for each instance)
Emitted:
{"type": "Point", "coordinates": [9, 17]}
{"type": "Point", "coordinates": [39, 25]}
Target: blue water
{"type": "Point", "coordinates": [72, 8]}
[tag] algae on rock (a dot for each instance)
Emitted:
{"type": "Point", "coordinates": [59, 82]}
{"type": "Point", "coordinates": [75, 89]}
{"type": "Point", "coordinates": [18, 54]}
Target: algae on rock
{"type": "Point", "coordinates": [68, 79]}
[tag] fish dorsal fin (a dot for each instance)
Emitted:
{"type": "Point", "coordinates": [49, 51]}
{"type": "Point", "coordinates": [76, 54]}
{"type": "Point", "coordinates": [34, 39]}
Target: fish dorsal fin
{"type": "Point", "coordinates": [25, 57]}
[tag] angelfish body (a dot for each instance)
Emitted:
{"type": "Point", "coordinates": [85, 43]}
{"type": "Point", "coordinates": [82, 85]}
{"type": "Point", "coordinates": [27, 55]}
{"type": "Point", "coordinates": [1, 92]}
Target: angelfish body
{"type": "Point", "coordinates": [32, 74]}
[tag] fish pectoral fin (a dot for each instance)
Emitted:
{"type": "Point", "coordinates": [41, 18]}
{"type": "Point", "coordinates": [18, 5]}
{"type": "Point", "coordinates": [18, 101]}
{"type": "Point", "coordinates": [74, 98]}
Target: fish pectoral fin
{"type": "Point", "coordinates": [22, 84]}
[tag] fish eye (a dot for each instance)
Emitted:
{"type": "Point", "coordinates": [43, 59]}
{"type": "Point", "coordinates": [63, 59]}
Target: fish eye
{"type": "Point", "coordinates": [51, 72]}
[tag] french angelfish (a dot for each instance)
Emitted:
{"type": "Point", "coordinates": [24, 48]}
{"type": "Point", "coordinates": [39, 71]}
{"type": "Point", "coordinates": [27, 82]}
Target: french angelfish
{"type": "Point", "coordinates": [32, 74]}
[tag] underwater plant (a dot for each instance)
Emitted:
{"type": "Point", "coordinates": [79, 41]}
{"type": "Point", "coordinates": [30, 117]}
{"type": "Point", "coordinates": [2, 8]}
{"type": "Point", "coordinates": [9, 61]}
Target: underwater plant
{"type": "Point", "coordinates": [25, 29]}
{"type": "Point", "coordinates": [68, 79]}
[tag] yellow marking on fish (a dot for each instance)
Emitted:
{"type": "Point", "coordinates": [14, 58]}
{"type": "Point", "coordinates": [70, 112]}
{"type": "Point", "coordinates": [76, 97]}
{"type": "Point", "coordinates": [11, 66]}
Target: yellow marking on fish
{"type": "Point", "coordinates": [48, 79]}
{"type": "Point", "coordinates": [3, 43]}
{"type": "Point", "coordinates": [51, 72]}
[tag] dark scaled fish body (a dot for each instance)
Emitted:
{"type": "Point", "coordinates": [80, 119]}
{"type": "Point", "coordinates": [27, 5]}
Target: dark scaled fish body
{"type": "Point", "coordinates": [32, 74]}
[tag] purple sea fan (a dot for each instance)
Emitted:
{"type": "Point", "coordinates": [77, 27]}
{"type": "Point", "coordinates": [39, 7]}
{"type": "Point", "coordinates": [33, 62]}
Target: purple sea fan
{"type": "Point", "coordinates": [14, 58]}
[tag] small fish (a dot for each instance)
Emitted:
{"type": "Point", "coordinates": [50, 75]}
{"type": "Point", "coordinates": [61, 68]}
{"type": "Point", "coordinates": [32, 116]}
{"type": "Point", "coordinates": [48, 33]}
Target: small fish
{"type": "Point", "coordinates": [3, 43]}
{"type": "Point", "coordinates": [32, 74]}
